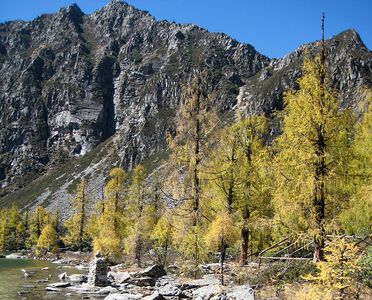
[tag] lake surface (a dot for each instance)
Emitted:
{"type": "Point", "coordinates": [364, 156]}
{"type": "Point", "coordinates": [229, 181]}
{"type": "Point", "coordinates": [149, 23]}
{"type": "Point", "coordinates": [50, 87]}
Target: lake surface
{"type": "Point", "coordinates": [14, 285]}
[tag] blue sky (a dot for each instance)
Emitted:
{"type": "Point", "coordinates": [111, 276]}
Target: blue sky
{"type": "Point", "coordinates": [273, 27]}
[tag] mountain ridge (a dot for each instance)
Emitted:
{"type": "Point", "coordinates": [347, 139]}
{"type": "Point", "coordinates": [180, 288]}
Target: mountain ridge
{"type": "Point", "coordinates": [76, 83]}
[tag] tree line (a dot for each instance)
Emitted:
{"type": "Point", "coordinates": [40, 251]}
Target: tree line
{"type": "Point", "coordinates": [227, 189]}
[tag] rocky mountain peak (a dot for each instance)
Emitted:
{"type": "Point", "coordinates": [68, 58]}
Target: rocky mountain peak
{"type": "Point", "coordinates": [118, 7]}
{"type": "Point", "coordinates": [350, 38]}
{"type": "Point", "coordinates": [72, 83]}
{"type": "Point", "coordinates": [72, 11]}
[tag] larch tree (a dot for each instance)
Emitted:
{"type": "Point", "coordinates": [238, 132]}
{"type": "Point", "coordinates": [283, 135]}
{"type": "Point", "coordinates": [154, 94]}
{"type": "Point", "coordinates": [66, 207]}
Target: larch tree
{"type": "Point", "coordinates": [310, 157]}
{"type": "Point", "coordinates": [224, 169]}
{"type": "Point", "coordinates": [253, 180]}
{"type": "Point", "coordinates": [39, 219]}
{"type": "Point", "coordinates": [162, 239]}
{"type": "Point", "coordinates": [76, 224]}
{"type": "Point", "coordinates": [222, 234]}
{"type": "Point", "coordinates": [357, 217]}
{"type": "Point", "coordinates": [4, 232]}
{"type": "Point", "coordinates": [189, 147]}
{"type": "Point", "coordinates": [111, 225]}
{"type": "Point", "coordinates": [337, 274]}
{"type": "Point", "coordinates": [47, 240]}
{"type": "Point", "coordinates": [16, 229]}
{"type": "Point", "coordinates": [137, 206]}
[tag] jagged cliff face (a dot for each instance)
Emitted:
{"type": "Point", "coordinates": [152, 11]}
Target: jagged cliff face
{"type": "Point", "coordinates": [104, 87]}
{"type": "Point", "coordinates": [69, 81]}
{"type": "Point", "coordinates": [349, 66]}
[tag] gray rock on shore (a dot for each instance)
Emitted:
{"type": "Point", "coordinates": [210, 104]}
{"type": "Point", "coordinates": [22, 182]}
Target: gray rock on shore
{"type": "Point", "coordinates": [77, 278]}
{"type": "Point", "coordinates": [98, 270]}
{"type": "Point", "coordinates": [118, 296]}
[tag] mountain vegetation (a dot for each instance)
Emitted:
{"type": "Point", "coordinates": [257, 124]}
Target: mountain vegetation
{"type": "Point", "coordinates": [156, 142]}
{"type": "Point", "coordinates": [232, 191]}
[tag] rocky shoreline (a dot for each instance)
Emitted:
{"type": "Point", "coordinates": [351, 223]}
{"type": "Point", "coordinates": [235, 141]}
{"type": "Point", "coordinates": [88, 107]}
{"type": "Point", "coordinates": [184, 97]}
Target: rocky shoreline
{"type": "Point", "coordinates": [152, 283]}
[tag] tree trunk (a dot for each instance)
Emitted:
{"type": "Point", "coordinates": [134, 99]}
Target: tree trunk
{"type": "Point", "coordinates": [222, 259]}
{"type": "Point", "coordinates": [245, 238]}
{"type": "Point", "coordinates": [230, 193]}
{"type": "Point", "coordinates": [197, 163]}
{"type": "Point", "coordinates": [138, 251]}
{"type": "Point", "coordinates": [82, 217]}
{"type": "Point", "coordinates": [320, 169]}
{"type": "Point", "coordinates": [319, 196]}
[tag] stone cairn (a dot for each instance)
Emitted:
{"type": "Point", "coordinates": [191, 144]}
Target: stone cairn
{"type": "Point", "coordinates": [98, 271]}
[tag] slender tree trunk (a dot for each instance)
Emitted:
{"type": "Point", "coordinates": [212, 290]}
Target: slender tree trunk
{"type": "Point", "coordinates": [230, 193]}
{"type": "Point", "coordinates": [245, 212]}
{"type": "Point", "coordinates": [320, 169]}
{"type": "Point", "coordinates": [196, 178]}
{"type": "Point", "coordinates": [116, 205]}
{"type": "Point", "coordinates": [138, 242]}
{"type": "Point", "coordinates": [245, 238]}
{"type": "Point", "coordinates": [222, 259]}
{"type": "Point", "coordinates": [103, 201]}
{"type": "Point", "coordinates": [82, 217]}
{"type": "Point", "coordinates": [138, 250]}
{"type": "Point", "coordinates": [38, 226]}
{"type": "Point", "coordinates": [319, 198]}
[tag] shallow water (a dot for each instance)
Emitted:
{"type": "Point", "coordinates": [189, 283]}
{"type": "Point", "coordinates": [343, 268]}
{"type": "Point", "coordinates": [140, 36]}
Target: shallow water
{"type": "Point", "coordinates": [14, 285]}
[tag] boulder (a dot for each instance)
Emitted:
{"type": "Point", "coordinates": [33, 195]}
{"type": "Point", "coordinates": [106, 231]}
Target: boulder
{"type": "Point", "coordinates": [52, 289]}
{"type": "Point", "coordinates": [15, 256]}
{"type": "Point", "coordinates": [63, 276]}
{"type": "Point", "coordinates": [154, 296]}
{"type": "Point", "coordinates": [77, 278]}
{"type": "Point", "coordinates": [168, 286]}
{"type": "Point", "coordinates": [210, 268]}
{"type": "Point", "coordinates": [116, 268]}
{"type": "Point", "coordinates": [208, 292]}
{"type": "Point", "coordinates": [59, 285]}
{"type": "Point", "coordinates": [118, 296]}
{"type": "Point", "coordinates": [23, 293]}
{"type": "Point", "coordinates": [98, 271]}
{"type": "Point", "coordinates": [107, 290]}
{"type": "Point", "coordinates": [119, 277]}
{"type": "Point", "coordinates": [141, 281]}
{"type": "Point", "coordinates": [241, 292]}
{"type": "Point", "coordinates": [197, 283]}
{"type": "Point", "coordinates": [154, 271]}
{"type": "Point", "coordinates": [26, 274]}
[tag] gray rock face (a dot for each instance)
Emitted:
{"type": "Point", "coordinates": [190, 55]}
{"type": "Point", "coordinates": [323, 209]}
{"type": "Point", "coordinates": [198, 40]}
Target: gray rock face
{"type": "Point", "coordinates": [98, 271]}
{"type": "Point", "coordinates": [69, 81]}
{"type": "Point", "coordinates": [349, 65]}
{"type": "Point", "coordinates": [79, 93]}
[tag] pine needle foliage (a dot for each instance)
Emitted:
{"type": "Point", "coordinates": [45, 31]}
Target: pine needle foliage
{"type": "Point", "coordinates": [311, 158]}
